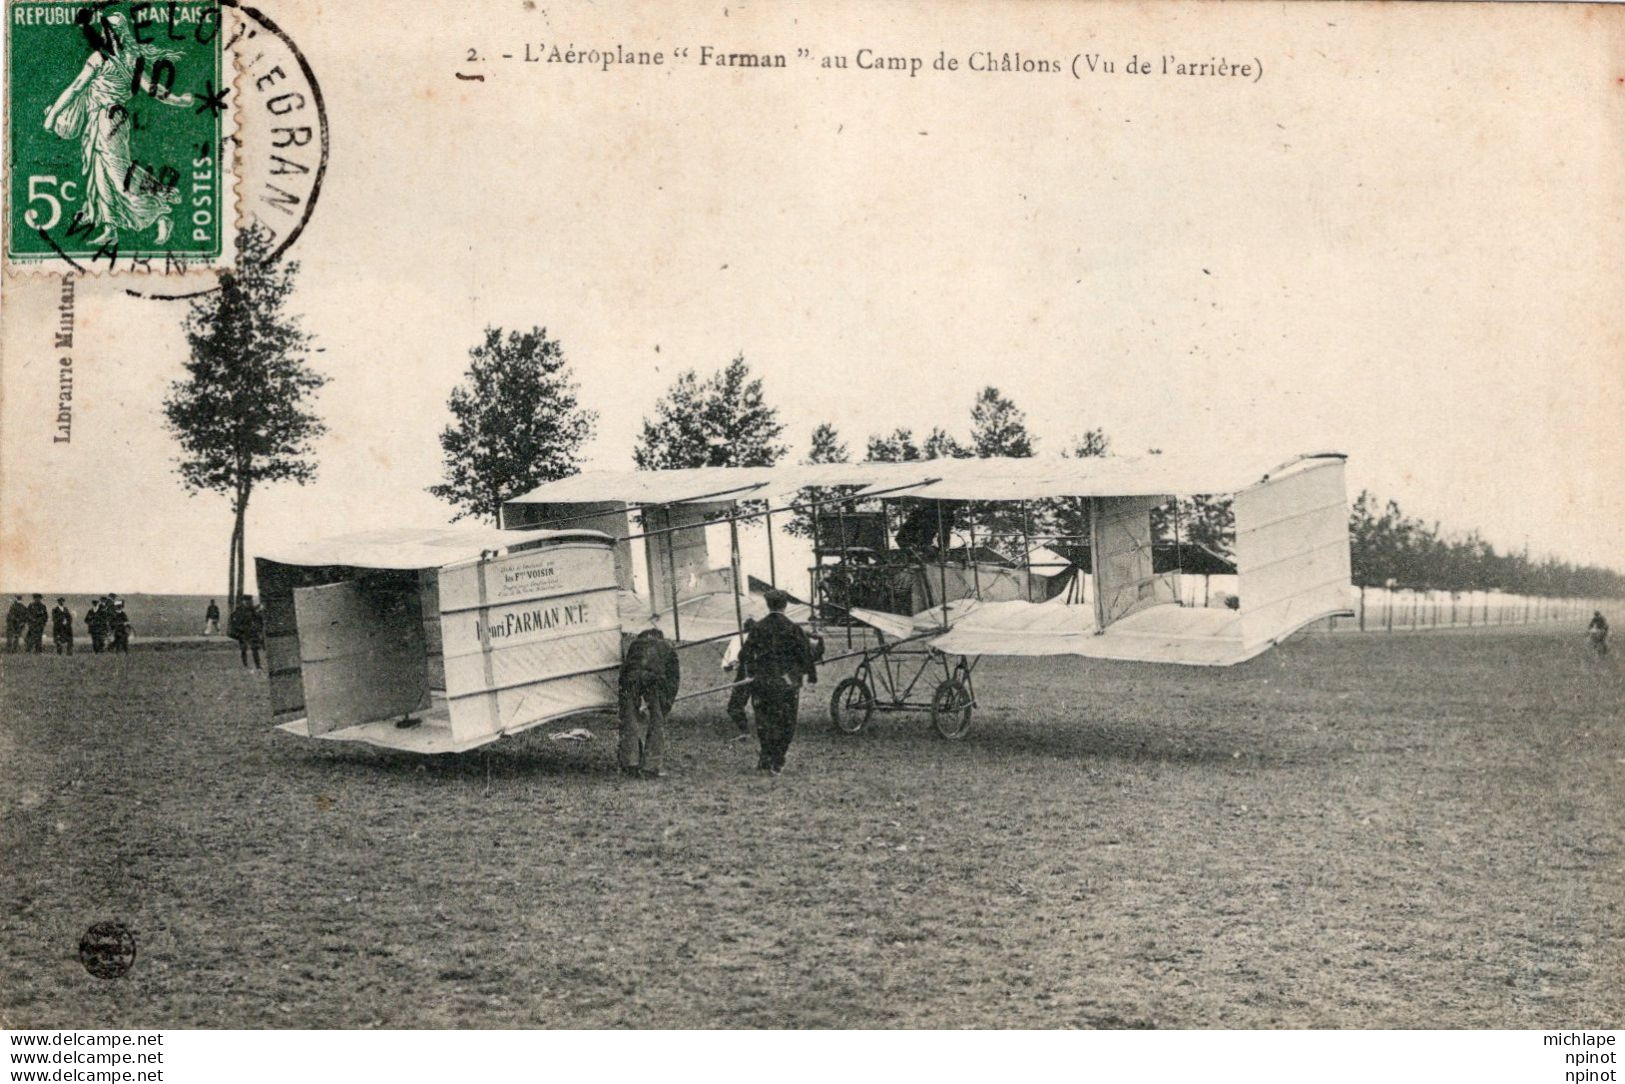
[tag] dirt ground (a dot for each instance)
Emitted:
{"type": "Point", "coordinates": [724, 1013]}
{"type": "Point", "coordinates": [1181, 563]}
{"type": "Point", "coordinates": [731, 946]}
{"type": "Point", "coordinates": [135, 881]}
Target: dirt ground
{"type": "Point", "coordinates": [1419, 830]}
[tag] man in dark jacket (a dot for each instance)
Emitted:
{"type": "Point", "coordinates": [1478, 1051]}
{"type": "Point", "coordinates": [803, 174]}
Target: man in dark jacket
{"type": "Point", "coordinates": [62, 627]}
{"type": "Point", "coordinates": [96, 625]}
{"type": "Point", "coordinates": [927, 529]}
{"type": "Point", "coordinates": [118, 627]}
{"type": "Point", "coordinates": [1597, 632]}
{"type": "Point", "coordinates": [650, 676]}
{"type": "Point", "coordinates": [777, 655]}
{"type": "Point", "coordinates": [246, 625]}
{"type": "Point", "coordinates": [16, 621]}
{"type": "Point", "coordinates": [34, 631]}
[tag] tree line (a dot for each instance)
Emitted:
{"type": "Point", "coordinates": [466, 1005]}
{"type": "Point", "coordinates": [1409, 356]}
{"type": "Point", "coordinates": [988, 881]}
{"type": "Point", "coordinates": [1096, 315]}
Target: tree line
{"type": "Point", "coordinates": [1389, 548]}
{"type": "Point", "coordinates": [244, 415]}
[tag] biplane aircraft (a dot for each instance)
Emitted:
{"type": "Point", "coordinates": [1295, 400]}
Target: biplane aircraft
{"type": "Point", "coordinates": [898, 571]}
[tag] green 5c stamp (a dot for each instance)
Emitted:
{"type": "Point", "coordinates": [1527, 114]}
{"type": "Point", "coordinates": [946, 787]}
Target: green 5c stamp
{"type": "Point", "coordinates": [117, 130]}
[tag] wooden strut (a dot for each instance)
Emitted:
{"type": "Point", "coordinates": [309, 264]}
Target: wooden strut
{"type": "Point", "coordinates": [772, 565]}
{"type": "Point", "coordinates": [712, 689]}
{"type": "Point", "coordinates": [702, 641]}
{"type": "Point", "coordinates": [970, 553]}
{"type": "Point", "coordinates": [1179, 559]}
{"type": "Point", "coordinates": [733, 560]}
{"type": "Point", "coordinates": [840, 525]}
{"type": "Point", "coordinates": [671, 572]}
{"type": "Point", "coordinates": [1026, 556]}
{"type": "Point", "coordinates": [645, 515]}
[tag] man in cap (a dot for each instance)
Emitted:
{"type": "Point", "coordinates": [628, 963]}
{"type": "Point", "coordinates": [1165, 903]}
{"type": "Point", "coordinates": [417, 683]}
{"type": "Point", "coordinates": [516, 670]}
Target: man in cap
{"type": "Point", "coordinates": [62, 627]}
{"type": "Point", "coordinates": [16, 621]}
{"type": "Point", "coordinates": [650, 676]}
{"type": "Point", "coordinates": [34, 631]}
{"type": "Point", "coordinates": [246, 625]}
{"type": "Point", "coordinates": [777, 655]}
{"type": "Point", "coordinates": [96, 625]}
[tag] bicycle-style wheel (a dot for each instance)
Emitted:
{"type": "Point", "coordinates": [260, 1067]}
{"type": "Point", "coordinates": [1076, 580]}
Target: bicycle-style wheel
{"type": "Point", "coordinates": [851, 705]}
{"type": "Point", "coordinates": [951, 708]}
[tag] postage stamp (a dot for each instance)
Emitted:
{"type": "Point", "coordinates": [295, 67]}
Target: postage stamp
{"type": "Point", "coordinates": [118, 136]}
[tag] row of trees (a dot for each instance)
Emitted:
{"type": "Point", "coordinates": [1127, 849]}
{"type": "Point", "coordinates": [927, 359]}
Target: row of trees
{"type": "Point", "coordinates": [1389, 548]}
{"type": "Point", "coordinates": [243, 416]}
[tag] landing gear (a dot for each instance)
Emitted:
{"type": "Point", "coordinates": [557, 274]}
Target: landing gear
{"type": "Point", "coordinates": [851, 705]}
{"type": "Point", "coordinates": [951, 706]}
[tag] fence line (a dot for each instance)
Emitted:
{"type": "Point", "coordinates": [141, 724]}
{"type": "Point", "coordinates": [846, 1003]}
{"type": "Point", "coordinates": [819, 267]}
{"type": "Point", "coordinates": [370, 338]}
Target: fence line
{"type": "Point", "coordinates": [1383, 610]}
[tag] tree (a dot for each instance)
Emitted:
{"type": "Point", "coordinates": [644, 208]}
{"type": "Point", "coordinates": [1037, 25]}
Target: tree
{"type": "Point", "coordinates": [896, 447]}
{"type": "Point", "coordinates": [998, 426]}
{"type": "Point", "coordinates": [1068, 517]}
{"type": "Point", "coordinates": [1093, 442]}
{"type": "Point", "coordinates": [517, 423]}
{"type": "Point", "coordinates": [1209, 522]}
{"type": "Point", "coordinates": [899, 446]}
{"type": "Point", "coordinates": [721, 421]}
{"type": "Point", "coordinates": [242, 414]}
{"type": "Point", "coordinates": [827, 447]}
{"type": "Point", "coordinates": [941, 445]}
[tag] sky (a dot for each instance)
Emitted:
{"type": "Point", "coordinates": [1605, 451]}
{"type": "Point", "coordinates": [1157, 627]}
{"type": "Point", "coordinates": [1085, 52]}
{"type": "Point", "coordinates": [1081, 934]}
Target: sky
{"type": "Point", "coordinates": [1403, 242]}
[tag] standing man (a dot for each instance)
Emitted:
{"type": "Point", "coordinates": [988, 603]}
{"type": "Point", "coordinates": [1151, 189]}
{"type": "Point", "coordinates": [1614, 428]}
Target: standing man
{"type": "Point", "coordinates": [118, 624]}
{"type": "Point", "coordinates": [211, 620]}
{"type": "Point", "coordinates": [246, 625]}
{"type": "Point", "coordinates": [62, 627]}
{"type": "Point", "coordinates": [1597, 632]}
{"type": "Point", "coordinates": [777, 655]}
{"type": "Point", "coordinates": [650, 676]}
{"type": "Point", "coordinates": [928, 529]}
{"type": "Point", "coordinates": [96, 625]}
{"type": "Point", "coordinates": [34, 631]}
{"type": "Point", "coordinates": [16, 621]}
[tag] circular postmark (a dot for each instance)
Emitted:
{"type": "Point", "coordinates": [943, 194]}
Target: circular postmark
{"type": "Point", "coordinates": [107, 949]}
{"type": "Point", "coordinates": [284, 132]}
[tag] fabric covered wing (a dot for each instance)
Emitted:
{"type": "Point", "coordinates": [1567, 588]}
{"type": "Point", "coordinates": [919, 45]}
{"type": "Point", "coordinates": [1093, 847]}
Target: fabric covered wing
{"type": "Point", "coordinates": [1292, 552]}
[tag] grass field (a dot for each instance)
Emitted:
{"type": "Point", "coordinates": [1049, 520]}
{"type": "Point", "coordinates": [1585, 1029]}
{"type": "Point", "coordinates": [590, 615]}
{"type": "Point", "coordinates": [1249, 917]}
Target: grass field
{"type": "Point", "coordinates": [1352, 831]}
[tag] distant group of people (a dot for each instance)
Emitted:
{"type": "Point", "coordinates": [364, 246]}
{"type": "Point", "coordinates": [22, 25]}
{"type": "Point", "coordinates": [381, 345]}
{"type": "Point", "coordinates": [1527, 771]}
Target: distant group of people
{"type": "Point", "coordinates": [108, 625]}
{"type": "Point", "coordinates": [110, 629]}
{"type": "Point", "coordinates": [769, 660]}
